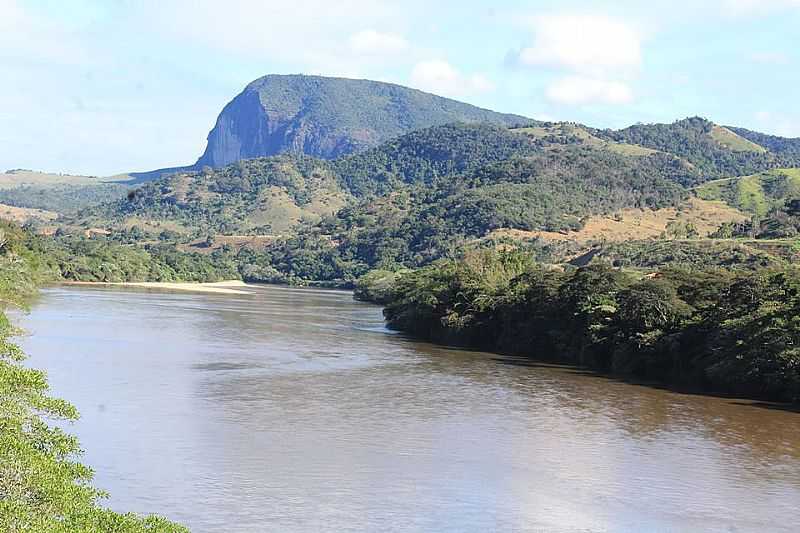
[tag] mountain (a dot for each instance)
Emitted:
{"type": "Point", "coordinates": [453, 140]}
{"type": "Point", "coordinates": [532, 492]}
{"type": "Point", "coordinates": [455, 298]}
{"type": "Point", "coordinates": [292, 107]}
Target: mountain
{"type": "Point", "coordinates": [410, 198]}
{"type": "Point", "coordinates": [557, 188]}
{"type": "Point", "coordinates": [328, 117]}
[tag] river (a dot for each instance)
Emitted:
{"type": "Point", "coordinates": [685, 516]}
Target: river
{"type": "Point", "coordinates": [296, 410]}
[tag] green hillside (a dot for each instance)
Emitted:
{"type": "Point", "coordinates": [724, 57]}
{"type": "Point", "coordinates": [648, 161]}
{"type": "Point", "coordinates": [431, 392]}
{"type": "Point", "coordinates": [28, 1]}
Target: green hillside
{"type": "Point", "coordinates": [730, 140]}
{"type": "Point", "coordinates": [553, 190]}
{"type": "Point", "coordinates": [427, 155]}
{"type": "Point", "coordinates": [555, 134]}
{"type": "Point", "coordinates": [257, 196]}
{"type": "Point", "coordinates": [425, 195]}
{"type": "Point", "coordinates": [478, 177]}
{"type": "Point", "coordinates": [758, 194]}
{"type": "Point", "coordinates": [404, 178]}
{"type": "Point", "coordinates": [786, 148]}
{"type": "Point", "coordinates": [713, 151]}
{"type": "Point", "coordinates": [62, 198]}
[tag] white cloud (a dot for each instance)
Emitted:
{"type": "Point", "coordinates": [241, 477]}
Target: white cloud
{"type": "Point", "coordinates": [440, 77]}
{"type": "Point", "coordinates": [588, 44]}
{"type": "Point", "coordinates": [374, 42]}
{"type": "Point", "coordinates": [576, 90]}
{"type": "Point", "coordinates": [595, 55]}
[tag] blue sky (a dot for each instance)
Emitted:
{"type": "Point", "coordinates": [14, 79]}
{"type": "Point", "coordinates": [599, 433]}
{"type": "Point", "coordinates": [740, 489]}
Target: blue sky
{"type": "Point", "coordinates": [101, 87]}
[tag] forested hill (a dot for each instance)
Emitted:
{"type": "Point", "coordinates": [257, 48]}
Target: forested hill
{"type": "Point", "coordinates": [485, 176]}
{"type": "Point", "coordinates": [429, 193]}
{"type": "Point", "coordinates": [714, 151]}
{"type": "Point", "coordinates": [267, 195]}
{"type": "Point", "coordinates": [779, 145]}
{"type": "Point", "coordinates": [423, 156]}
{"type": "Point", "coordinates": [328, 117]}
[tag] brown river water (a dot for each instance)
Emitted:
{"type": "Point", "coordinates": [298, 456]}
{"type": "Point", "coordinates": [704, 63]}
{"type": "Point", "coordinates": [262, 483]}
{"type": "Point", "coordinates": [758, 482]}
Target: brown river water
{"type": "Point", "coordinates": [296, 410]}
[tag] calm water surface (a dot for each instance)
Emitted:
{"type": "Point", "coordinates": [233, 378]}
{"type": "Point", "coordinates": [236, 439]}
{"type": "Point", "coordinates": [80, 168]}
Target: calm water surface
{"type": "Point", "coordinates": [295, 410]}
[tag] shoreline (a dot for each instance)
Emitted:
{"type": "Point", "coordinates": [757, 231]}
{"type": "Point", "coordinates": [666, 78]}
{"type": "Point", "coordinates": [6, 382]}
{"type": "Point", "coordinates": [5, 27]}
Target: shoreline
{"type": "Point", "coordinates": [217, 287]}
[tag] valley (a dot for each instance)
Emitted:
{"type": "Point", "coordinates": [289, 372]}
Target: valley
{"type": "Point", "coordinates": [375, 266]}
{"type": "Point", "coordinates": [477, 203]}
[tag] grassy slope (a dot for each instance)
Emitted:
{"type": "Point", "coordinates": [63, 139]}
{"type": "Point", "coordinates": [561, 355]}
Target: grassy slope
{"type": "Point", "coordinates": [734, 142]}
{"type": "Point", "coordinates": [713, 151]}
{"type": "Point", "coordinates": [756, 194]}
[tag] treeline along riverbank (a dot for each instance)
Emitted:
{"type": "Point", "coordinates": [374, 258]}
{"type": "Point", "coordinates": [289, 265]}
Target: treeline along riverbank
{"type": "Point", "coordinates": [720, 330]}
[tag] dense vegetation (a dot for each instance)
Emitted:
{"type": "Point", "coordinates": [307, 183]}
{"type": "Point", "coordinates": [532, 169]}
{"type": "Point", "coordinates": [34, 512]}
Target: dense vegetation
{"type": "Point", "coordinates": [781, 222]}
{"type": "Point", "coordinates": [81, 259]}
{"type": "Point", "coordinates": [714, 152]}
{"type": "Point", "coordinates": [417, 224]}
{"type": "Point", "coordinates": [785, 147]}
{"type": "Point", "coordinates": [411, 201]}
{"type": "Point", "coordinates": [43, 487]}
{"type": "Point", "coordinates": [438, 191]}
{"type": "Point", "coordinates": [723, 331]}
{"type": "Point", "coordinates": [429, 155]}
{"type": "Point", "coordinates": [758, 194]}
{"type": "Point", "coordinates": [77, 258]}
{"type": "Point", "coordinates": [267, 195]}
{"type": "Point", "coordinates": [700, 253]}
{"type": "Point", "coordinates": [62, 198]}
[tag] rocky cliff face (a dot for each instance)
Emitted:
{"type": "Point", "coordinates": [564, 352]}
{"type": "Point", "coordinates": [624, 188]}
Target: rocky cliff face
{"type": "Point", "coordinates": [328, 117]}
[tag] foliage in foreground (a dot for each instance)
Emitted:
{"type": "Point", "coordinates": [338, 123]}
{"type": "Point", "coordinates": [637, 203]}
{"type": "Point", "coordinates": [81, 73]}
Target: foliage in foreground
{"type": "Point", "coordinates": [43, 487]}
{"type": "Point", "coordinates": [721, 330]}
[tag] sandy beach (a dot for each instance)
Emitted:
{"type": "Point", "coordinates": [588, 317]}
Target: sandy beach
{"type": "Point", "coordinates": [219, 287]}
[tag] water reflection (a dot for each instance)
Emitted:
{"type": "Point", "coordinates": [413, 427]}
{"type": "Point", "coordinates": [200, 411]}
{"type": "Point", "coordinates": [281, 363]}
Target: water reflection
{"type": "Point", "coordinates": [295, 410]}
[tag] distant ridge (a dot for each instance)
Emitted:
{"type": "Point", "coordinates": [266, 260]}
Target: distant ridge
{"type": "Point", "coordinates": [325, 118]}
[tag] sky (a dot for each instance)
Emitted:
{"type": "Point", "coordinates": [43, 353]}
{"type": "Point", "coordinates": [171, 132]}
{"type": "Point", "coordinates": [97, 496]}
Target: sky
{"type": "Point", "coordinates": [110, 86]}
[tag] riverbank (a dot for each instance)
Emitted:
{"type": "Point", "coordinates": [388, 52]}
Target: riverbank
{"type": "Point", "coordinates": [719, 331]}
{"type": "Point", "coordinates": [218, 287]}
